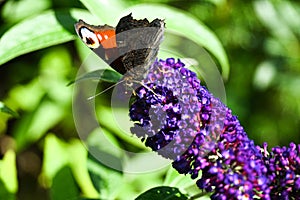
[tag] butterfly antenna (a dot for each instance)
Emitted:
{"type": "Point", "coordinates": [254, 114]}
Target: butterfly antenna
{"type": "Point", "coordinates": [151, 90]}
{"type": "Point", "coordinates": [94, 96]}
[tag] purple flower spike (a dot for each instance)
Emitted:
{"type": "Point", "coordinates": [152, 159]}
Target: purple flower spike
{"type": "Point", "coordinates": [183, 121]}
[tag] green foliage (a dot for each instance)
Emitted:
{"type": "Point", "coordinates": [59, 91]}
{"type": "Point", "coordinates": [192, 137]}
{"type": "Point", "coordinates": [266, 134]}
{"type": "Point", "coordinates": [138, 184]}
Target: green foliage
{"type": "Point", "coordinates": [64, 186]}
{"type": "Point", "coordinates": [60, 159]}
{"type": "Point", "coordinates": [5, 109]}
{"type": "Point", "coordinates": [103, 75]}
{"type": "Point", "coordinates": [163, 193]}
{"type": "Point", "coordinates": [54, 27]}
{"type": "Point", "coordinates": [8, 176]}
{"type": "Point", "coordinates": [38, 59]}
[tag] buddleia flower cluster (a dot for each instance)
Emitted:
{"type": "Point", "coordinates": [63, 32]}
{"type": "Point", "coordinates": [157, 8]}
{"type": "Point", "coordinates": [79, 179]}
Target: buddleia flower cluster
{"type": "Point", "coordinates": [283, 171]}
{"type": "Point", "coordinates": [181, 120]}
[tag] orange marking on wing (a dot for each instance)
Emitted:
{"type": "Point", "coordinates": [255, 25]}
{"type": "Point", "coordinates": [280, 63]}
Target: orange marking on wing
{"type": "Point", "coordinates": [108, 39]}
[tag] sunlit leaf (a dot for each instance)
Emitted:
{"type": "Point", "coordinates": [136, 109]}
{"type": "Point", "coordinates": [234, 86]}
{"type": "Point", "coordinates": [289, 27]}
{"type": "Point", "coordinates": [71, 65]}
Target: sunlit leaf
{"type": "Point", "coordinates": [17, 10]}
{"type": "Point", "coordinates": [5, 109]}
{"type": "Point", "coordinates": [270, 17]}
{"type": "Point", "coordinates": [44, 30]}
{"type": "Point", "coordinates": [173, 178]}
{"type": "Point", "coordinates": [34, 125]}
{"type": "Point", "coordinates": [106, 11]}
{"type": "Point", "coordinates": [59, 154]}
{"type": "Point", "coordinates": [21, 94]}
{"type": "Point", "coordinates": [162, 193]}
{"type": "Point", "coordinates": [289, 12]}
{"type": "Point", "coordinates": [77, 154]}
{"type": "Point", "coordinates": [55, 156]}
{"type": "Point", "coordinates": [8, 171]}
{"type": "Point", "coordinates": [102, 74]}
{"type": "Point", "coordinates": [264, 75]}
{"type": "Point", "coordinates": [182, 23]}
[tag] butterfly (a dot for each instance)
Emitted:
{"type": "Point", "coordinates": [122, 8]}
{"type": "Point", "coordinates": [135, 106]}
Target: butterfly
{"type": "Point", "coordinates": [132, 44]}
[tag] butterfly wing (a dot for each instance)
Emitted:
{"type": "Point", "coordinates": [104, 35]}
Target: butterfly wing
{"type": "Point", "coordinates": [101, 39]}
{"type": "Point", "coordinates": [141, 40]}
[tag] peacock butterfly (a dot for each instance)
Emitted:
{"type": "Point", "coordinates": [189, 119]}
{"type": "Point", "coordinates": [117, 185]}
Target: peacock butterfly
{"type": "Point", "coordinates": [131, 44]}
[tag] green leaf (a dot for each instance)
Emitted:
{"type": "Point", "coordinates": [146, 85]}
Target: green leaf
{"type": "Point", "coordinates": [8, 172]}
{"type": "Point", "coordinates": [100, 135]}
{"type": "Point", "coordinates": [101, 74]}
{"type": "Point", "coordinates": [17, 10]}
{"type": "Point", "coordinates": [181, 181]}
{"type": "Point", "coordinates": [4, 193]}
{"type": "Point", "coordinates": [269, 15]}
{"type": "Point", "coordinates": [58, 154]}
{"type": "Point", "coordinates": [77, 155]}
{"type": "Point", "coordinates": [111, 181]}
{"type": "Point", "coordinates": [5, 109]}
{"type": "Point", "coordinates": [119, 128]}
{"type": "Point", "coordinates": [82, 198]}
{"type": "Point", "coordinates": [184, 24]}
{"type": "Point", "coordinates": [44, 30]}
{"type": "Point", "coordinates": [104, 10]}
{"type": "Point", "coordinates": [35, 124]}
{"type": "Point", "coordinates": [55, 156]}
{"type": "Point", "coordinates": [162, 193]}
{"type": "Point", "coordinates": [63, 185]}
{"type": "Point", "coordinates": [173, 178]}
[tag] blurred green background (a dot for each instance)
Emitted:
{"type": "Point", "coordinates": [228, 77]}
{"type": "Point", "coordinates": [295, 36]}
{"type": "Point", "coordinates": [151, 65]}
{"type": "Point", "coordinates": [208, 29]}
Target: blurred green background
{"type": "Point", "coordinates": [260, 39]}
